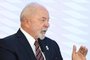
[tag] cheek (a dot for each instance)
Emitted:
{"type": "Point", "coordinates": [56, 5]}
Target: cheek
{"type": "Point", "coordinates": [36, 28]}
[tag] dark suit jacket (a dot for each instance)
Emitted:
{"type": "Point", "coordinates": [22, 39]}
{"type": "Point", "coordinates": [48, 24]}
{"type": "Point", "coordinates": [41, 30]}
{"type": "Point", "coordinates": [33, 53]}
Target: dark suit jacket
{"type": "Point", "coordinates": [16, 47]}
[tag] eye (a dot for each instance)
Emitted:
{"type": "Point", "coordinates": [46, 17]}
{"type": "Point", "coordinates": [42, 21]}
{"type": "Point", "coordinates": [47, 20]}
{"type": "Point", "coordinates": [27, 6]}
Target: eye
{"type": "Point", "coordinates": [43, 20]}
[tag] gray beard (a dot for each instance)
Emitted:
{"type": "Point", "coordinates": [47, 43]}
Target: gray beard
{"type": "Point", "coordinates": [41, 36]}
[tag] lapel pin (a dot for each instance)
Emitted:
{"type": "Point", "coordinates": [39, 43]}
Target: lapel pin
{"type": "Point", "coordinates": [47, 48]}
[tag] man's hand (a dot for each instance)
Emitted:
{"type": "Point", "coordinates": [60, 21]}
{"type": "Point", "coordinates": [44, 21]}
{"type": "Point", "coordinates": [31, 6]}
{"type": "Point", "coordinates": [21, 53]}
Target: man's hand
{"type": "Point", "coordinates": [80, 54]}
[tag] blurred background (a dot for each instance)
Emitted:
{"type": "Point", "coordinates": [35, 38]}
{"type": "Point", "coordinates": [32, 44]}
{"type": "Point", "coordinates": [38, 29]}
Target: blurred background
{"type": "Point", "coordinates": [69, 22]}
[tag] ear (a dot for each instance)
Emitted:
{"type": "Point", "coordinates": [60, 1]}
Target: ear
{"type": "Point", "coordinates": [27, 22]}
{"type": "Point", "coordinates": [24, 21]}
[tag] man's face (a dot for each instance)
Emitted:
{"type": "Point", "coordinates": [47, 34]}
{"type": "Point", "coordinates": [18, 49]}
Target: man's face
{"type": "Point", "coordinates": [39, 24]}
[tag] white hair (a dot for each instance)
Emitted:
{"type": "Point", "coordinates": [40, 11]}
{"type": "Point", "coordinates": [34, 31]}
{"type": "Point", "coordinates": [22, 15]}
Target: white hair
{"type": "Point", "coordinates": [30, 9]}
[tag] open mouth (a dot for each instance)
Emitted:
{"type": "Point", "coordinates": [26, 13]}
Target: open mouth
{"type": "Point", "coordinates": [44, 31]}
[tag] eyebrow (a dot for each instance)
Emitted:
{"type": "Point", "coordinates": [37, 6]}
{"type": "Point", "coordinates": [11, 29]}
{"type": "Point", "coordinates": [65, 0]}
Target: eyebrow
{"type": "Point", "coordinates": [45, 18]}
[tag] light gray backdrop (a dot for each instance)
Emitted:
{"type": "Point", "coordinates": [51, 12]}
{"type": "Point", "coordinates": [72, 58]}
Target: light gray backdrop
{"type": "Point", "coordinates": [69, 21]}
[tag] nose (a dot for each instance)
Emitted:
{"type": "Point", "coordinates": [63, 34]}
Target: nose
{"type": "Point", "coordinates": [46, 25]}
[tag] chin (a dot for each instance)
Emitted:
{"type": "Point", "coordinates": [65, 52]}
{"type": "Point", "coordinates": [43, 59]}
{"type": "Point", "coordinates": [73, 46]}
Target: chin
{"type": "Point", "coordinates": [41, 36]}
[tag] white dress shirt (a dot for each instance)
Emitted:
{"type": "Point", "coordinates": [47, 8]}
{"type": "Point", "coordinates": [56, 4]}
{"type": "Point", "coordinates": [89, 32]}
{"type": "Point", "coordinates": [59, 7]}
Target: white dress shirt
{"type": "Point", "coordinates": [31, 41]}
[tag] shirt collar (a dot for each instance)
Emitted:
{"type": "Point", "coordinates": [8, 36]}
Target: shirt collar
{"type": "Point", "coordinates": [30, 39]}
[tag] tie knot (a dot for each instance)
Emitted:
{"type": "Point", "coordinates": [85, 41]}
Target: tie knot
{"type": "Point", "coordinates": [36, 43]}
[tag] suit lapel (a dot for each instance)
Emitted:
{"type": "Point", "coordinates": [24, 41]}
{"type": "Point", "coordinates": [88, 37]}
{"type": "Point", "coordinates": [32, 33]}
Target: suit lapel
{"type": "Point", "coordinates": [45, 49]}
{"type": "Point", "coordinates": [25, 44]}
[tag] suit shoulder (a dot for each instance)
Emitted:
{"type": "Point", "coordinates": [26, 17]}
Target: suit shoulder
{"type": "Point", "coordinates": [10, 37]}
{"type": "Point", "coordinates": [50, 41]}
{"type": "Point", "coordinates": [8, 42]}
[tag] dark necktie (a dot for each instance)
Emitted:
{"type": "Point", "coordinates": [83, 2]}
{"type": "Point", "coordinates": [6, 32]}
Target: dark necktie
{"type": "Point", "coordinates": [39, 55]}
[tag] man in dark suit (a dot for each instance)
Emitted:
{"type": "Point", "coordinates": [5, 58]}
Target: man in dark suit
{"type": "Point", "coordinates": [34, 20]}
